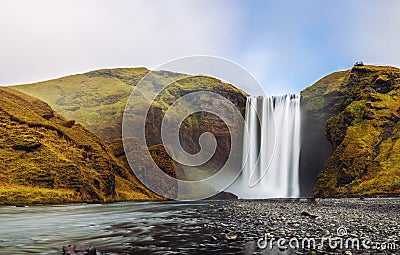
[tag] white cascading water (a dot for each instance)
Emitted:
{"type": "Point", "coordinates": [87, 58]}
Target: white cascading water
{"type": "Point", "coordinates": [271, 149]}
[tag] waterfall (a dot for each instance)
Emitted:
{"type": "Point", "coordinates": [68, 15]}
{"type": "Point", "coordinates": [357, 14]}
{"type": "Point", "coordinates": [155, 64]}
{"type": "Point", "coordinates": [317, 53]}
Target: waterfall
{"type": "Point", "coordinates": [271, 148]}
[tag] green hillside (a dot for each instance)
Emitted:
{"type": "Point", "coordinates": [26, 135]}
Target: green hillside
{"type": "Point", "coordinates": [94, 99]}
{"type": "Point", "coordinates": [48, 159]}
{"type": "Point", "coordinates": [97, 100]}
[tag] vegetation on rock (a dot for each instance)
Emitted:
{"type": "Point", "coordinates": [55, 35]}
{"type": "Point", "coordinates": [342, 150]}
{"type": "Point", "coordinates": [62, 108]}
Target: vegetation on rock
{"type": "Point", "coordinates": [359, 112]}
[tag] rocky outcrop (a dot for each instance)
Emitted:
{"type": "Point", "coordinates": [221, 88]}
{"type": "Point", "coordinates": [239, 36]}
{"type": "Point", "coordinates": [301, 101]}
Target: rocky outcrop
{"type": "Point", "coordinates": [223, 196]}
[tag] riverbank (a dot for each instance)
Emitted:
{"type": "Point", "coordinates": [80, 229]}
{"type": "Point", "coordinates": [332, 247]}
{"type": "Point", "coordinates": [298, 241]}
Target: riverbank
{"type": "Point", "coordinates": [304, 226]}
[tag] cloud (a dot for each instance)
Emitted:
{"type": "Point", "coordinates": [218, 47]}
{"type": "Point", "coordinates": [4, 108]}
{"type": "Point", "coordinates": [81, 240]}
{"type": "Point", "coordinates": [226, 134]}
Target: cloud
{"type": "Point", "coordinates": [291, 44]}
{"type": "Point", "coordinates": [286, 45]}
{"type": "Point", "coordinates": [44, 39]}
{"type": "Point", "coordinates": [374, 35]}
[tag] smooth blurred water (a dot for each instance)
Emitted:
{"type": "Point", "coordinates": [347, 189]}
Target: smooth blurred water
{"type": "Point", "coordinates": [120, 228]}
{"type": "Point", "coordinates": [271, 148]}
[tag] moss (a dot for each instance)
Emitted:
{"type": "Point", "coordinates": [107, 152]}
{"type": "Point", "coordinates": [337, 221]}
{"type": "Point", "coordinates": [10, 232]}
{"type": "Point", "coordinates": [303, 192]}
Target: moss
{"type": "Point", "coordinates": [17, 195]}
{"type": "Point", "coordinates": [46, 159]}
{"type": "Point", "coordinates": [364, 131]}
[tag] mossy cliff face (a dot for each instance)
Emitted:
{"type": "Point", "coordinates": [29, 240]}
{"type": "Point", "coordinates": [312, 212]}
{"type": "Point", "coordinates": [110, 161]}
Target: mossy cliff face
{"type": "Point", "coordinates": [47, 159]}
{"type": "Point", "coordinates": [97, 100]}
{"type": "Point", "coordinates": [358, 111]}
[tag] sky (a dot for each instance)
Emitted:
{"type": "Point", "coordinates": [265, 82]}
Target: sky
{"type": "Point", "coordinates": [286, 45]}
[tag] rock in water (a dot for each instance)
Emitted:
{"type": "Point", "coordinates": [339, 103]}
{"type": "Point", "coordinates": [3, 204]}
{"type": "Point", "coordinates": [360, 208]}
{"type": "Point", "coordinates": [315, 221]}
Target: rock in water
{"type": "Point", "coordinates": [81, 249]}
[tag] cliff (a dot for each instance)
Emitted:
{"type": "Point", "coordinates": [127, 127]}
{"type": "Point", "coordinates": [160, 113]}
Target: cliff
{"type": "Point", "coordinates": [358, 112]}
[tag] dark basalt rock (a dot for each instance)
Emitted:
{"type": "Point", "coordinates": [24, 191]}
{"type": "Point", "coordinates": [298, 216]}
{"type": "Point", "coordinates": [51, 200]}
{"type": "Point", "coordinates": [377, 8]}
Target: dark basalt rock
{"type": "Point", "coordinates": [28, 147]}
{"type": "Point", "coordinates": [223, 195]}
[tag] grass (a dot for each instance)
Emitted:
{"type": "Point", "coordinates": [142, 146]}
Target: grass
{"type": "Point", "coordinates": [97, 101]}
{"type": "Point", "coordinates": [23, 195]}
{"type": "Point", "coordinates": [52, 157]}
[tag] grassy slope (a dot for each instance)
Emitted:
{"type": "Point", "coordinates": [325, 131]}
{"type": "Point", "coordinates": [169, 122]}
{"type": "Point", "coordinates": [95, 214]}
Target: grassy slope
{"type": "Point", "coordinates": [362, 108]}
{"type": "Point", "coordinates": [97, 100]}
{"type": "Point", "coordinates": [47, 159]}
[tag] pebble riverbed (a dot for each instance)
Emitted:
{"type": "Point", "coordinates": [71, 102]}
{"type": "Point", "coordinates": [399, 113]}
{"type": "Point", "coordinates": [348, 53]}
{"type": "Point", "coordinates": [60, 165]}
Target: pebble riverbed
{"type": "Point", "coordinates": [307, 226]}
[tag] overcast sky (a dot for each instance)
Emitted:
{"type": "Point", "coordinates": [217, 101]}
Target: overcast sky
{"type": "Point", "coordinates": [286, 45]}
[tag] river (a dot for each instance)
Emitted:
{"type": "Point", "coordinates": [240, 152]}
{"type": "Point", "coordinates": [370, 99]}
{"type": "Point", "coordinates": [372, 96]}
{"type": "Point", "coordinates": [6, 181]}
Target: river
{"type": "Point", "coordinates": [119, 228]}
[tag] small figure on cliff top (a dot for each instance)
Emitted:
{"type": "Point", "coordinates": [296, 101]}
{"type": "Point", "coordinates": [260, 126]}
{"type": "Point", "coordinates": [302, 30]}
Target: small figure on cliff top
{"type": "Point", "coordinates": [359, 63]}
